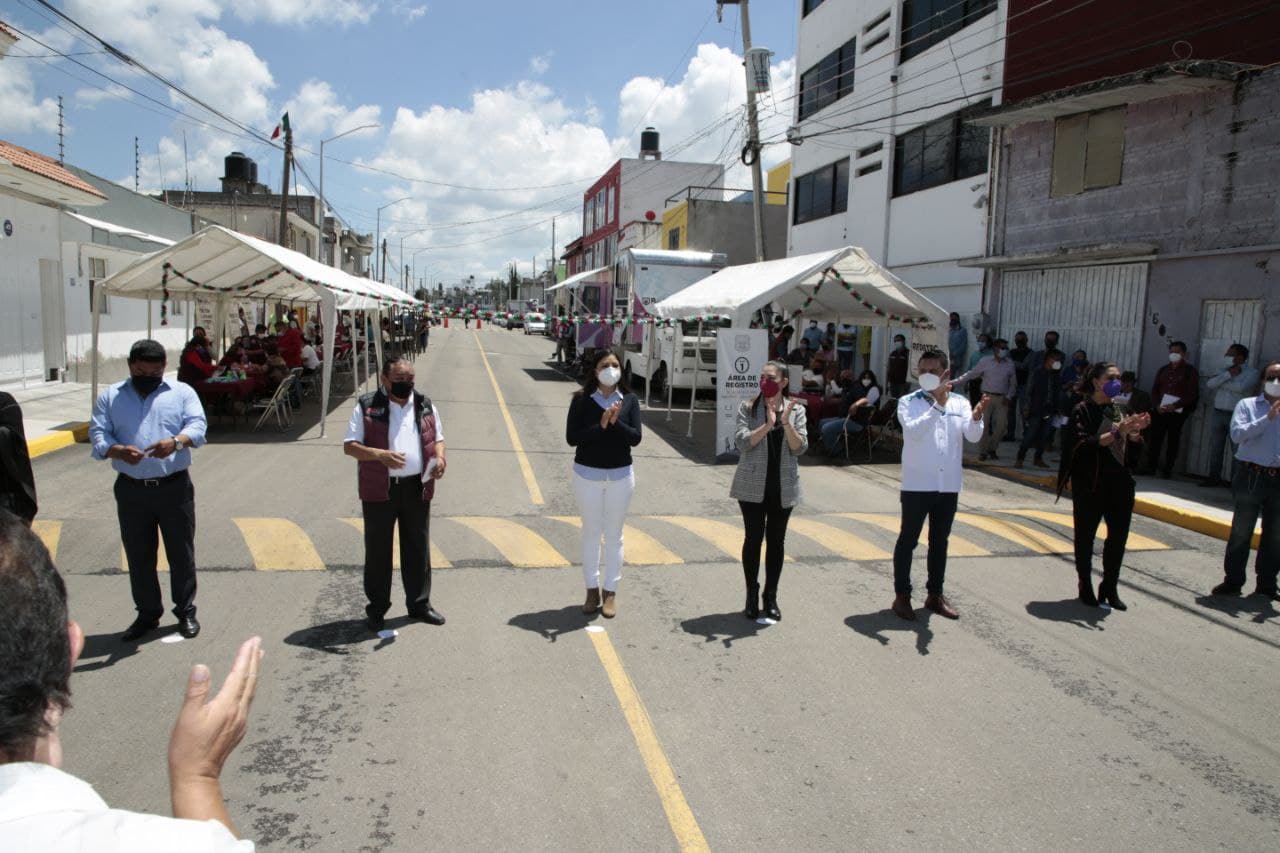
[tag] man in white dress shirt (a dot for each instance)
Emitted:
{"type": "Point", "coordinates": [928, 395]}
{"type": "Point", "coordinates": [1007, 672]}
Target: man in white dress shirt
{"type": "Point", "coordinates": [935, 425]}
{"type": "Point", "coordinates": [44, 809]}
{"type": "Point", "coordinates": [396, 437]}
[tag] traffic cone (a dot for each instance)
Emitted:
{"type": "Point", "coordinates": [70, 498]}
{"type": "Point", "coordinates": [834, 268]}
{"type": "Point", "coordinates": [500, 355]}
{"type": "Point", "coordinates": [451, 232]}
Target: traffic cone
{"type": "Point", "coordinates": [446, 322]}
{"type": "Point", "coordinates": [478, 321]}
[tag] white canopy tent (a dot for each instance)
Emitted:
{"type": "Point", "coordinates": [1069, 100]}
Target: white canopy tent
{"type": "Point", "coordinates": [225, 264]}
{"type": "Point", "coordinates": [577, 280]}
{"type": "Point", "coordinates": [843, 285]}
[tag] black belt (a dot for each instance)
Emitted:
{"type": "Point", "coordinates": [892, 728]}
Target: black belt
{"type": "Point", "coordinates": [1262, 469]}
{"type": "Point", "coordinates": [412, 478]}
{"type": "Point", "coordinates": [153, 481]}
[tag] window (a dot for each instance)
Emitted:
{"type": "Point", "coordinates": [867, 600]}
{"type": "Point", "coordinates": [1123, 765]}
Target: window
{"type": "Point", "coordinates": [874, 167]}
{"type": "Point", "coordinates": [1088, 151]}
{"type": "Point", "coordinates": [609, 205]}
{"type": "Point", "coordinates": [809, 6]}
{"type": "Point", "coordinates": [940, 152]}
{"type": "Point", "coordinates": [927, 22]}
{"type": "Point", "coordinates": [822, 192]}
{"type": "Point", "coordinates": [870, 149]}
{"type": "Point", "coordinates": [97, 272]}
{"type": "Point", "coordinates": [673, 239]}
{"type": "Point", "coordinates": [828, 81]}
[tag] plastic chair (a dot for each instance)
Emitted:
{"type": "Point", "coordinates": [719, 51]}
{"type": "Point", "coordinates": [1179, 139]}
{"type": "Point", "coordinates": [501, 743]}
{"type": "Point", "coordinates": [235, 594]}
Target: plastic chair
{"type": "Point", "coordinates": [277, 405]}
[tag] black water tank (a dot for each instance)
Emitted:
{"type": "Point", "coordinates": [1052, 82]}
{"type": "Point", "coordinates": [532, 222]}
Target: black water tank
{"type": "Point", "coordinates": [236, 167]}
{"type": "Point", "coordinates": [253, 171]}
{"type": "Point", "coordinates": [649, 142]}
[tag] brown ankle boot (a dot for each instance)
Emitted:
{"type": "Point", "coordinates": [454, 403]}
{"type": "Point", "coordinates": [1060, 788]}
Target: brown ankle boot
{"type": "Point", "coordinates": [902, 606]}
{"type": "Point", "coordinates": [939, 604]}
{"type": "Point", "coordinates": [593, 601]}
{"type": "Point", "coordinates": [610, 607]}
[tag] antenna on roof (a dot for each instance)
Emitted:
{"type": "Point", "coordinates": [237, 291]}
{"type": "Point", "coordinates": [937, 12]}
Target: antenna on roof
{"type": "Point", "coordinates": [186, 171]}
{"type": "Point", "coordinates": [61, 135]}
{"type": "Point", "coordinates": [137, 164]}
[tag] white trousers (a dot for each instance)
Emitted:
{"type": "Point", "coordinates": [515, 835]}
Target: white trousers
{"type": "Point", "coordinates": [603, 505]}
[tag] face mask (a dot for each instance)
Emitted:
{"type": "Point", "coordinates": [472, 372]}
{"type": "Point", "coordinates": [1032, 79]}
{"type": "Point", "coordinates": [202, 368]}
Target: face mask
{"type": "Point", "coordinates": [866, 383]}
{"type": "Point", "coordinates": [899, 345]}
{"type": "Point", "coordinates": [983, 345]}
{"type": "Point", "coordinates": [1175, 357]}
{"type": "Point", "coordinates": [402, 389]}
{"type": "Point", "coordinates": [1228, 362]}
{"type": "Point", "coordinates": [1020, 344]}
{"type": "Point", "coordinates": [769, 387]}
{"type": "Point", "coordinates": [1272, 387]}
{"type": "Point", "coordinates": [610, 376]}
{"type": "Point", "coordinates": [1057, 365]}
{"type": "Point", "coordinates": [929, 382]}
{"type": "Point", "coordinates": [144, 385]}
{"type": "Point", "coordinates": [1079, 362]}
{"type": "Point", "coordinates": [955, 324]}
{"type": "Point", "coordinates": [1112, 387]}
{"type": "Point", "coordinates": [1001, 353]}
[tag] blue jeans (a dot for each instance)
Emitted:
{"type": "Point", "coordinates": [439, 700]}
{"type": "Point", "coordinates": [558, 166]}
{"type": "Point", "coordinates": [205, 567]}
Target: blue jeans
{"type": "Point", "coordinates": [831, 429]}
{"type": "Point", "coordinates": [1254, 493]}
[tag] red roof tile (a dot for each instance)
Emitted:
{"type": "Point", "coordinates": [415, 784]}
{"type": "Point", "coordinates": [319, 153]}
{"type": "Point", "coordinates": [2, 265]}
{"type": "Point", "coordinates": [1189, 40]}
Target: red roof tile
{"type": "Point", "coordinates": [45, 167]}
{"type": "Point", "coordinates": [10, 33]}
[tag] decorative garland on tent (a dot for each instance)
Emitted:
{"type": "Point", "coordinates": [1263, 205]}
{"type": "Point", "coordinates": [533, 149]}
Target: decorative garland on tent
{"type": "Point", "coordinates": [917, 322]}
{"type": "Point", "coordinates": [169, 269]}
{"type": "Point", "coordinates": [613, 320]}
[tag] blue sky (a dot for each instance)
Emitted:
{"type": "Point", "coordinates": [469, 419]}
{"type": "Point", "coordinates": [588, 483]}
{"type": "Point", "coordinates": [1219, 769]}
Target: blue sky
{"type": "Point", "coordinates": [497, 94]}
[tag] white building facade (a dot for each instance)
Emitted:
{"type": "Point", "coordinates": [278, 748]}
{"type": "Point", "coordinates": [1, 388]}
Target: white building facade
{"type": "Point", "coordinates": [887, 161]}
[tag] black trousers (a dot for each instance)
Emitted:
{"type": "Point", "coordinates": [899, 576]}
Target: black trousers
{"type": "Point", "coordinates": [765, 523]}
{"type": "Point", "coordinates": [1114, 504]}
{"type": "Point", "coordinates": [940, 509]}
{"type": "Point", "coordinates": [407, 509]}
{"type": "Point", "coordinates": [1166, 429]}
{"type": "Point", "coordinates": [169, 508]}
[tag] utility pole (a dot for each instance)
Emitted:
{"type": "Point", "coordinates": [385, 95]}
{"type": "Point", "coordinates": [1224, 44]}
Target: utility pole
{"type": "Point", "coordinates": [61, 134]}
{"type": "Point", "coordinates": [284, 188]}
{"type": "Point", "coordinates": [137, 164]}
{"type": "Point", "coordinates": [753, 127]}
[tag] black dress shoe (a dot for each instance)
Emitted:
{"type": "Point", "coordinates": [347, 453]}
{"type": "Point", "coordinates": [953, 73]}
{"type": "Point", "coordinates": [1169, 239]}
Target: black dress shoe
{"type": "Point", "coordinates": [139, 629]}
{"type": "Point", "coordinates": [1267, 593]}
{"type": "Point", "coordinates": [1225, 588]}
{"type": "Point", "coordinates": [375, 623]}
{"type": "Point", "coordinates": [431, 616]}
{"type": "Point", "coordinates": [771, 610]}
{"type": "Point", "coordinates": [188, 626]}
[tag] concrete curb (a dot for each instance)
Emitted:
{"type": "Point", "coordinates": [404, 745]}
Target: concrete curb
{"type": "Point", "coordinates": [1175, 515]}
{"type": "Point", "coordinates": [40, 445]}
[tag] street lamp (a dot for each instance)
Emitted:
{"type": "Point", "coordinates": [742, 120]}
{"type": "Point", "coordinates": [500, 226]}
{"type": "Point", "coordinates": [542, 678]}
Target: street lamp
{"type": "Point", "coordinates": [400, 256]}
{"type": "Point", "coordinates": [413, 262]}
{"type": "Point", "coordinates": [377, 239]}
{"type": "Point", "coordinates": [320, 247]}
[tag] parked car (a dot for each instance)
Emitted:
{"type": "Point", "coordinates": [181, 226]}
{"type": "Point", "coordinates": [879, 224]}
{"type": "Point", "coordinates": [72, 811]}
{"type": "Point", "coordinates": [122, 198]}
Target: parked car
{"type": "Point", "coordinates": [535, 324]}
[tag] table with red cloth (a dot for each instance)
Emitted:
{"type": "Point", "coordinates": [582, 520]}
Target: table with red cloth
{"type": "Point", "coordinates": [816, 407]}
{"type": "Point", "coordinates": [222, 390]}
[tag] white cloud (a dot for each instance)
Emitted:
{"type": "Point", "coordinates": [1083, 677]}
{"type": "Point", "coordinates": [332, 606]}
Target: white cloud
{"type": "Point", "coordinates": [541, 63]}
{"type": "Point", "coordinates": [409, 11]}
{"type": "Point", "coordinates": [304, 11]}
{"type": "Point", "coordinates": [315, 111]}
{"type": "Point", "coordinates": [23, 112]}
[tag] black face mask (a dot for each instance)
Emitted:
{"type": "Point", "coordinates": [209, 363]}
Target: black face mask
{"type": "Point", "coordinates": [401, 389]}
{"type": "Point", "coordinates": [144, 385]}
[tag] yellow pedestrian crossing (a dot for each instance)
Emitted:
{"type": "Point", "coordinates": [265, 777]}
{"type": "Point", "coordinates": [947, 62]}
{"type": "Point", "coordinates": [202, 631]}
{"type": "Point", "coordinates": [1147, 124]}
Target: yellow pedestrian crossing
{"type": "Point", "coordinates": [1135, 542]}
{"type": "Point", "coordinates": [725, 537]}
{"type": "Point", "coordinates": [843, 543]}
{"type": "Point", "coordinates": [50, 533]}
{"type": "Point", "coordinates": [278, 544]}
{"type": "Point", "coordinates": [519, 545]}
{"type": "Point", "coordinates": [1035, 541]}
{"type": "Point", "coordinates": [640, 548]}
{"type": "Point", "coordinates": [957, 546]}
{"type": "Point", "coordinates": [438, 560]}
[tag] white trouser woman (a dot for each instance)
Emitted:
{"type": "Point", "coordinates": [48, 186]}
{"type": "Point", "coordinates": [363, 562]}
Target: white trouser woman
{"type": "Point", "coordinates": [603, 504]}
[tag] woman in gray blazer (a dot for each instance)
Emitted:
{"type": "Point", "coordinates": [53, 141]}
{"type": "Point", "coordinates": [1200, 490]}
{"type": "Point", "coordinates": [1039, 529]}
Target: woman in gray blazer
{"type": "Point", "coordinates": [771, 436]}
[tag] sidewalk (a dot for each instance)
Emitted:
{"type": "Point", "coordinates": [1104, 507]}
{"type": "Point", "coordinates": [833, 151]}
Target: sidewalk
{"type": "Point", "coordinates": [1180, 501]}
{"type": "Point", "coordinates": [54, 414]}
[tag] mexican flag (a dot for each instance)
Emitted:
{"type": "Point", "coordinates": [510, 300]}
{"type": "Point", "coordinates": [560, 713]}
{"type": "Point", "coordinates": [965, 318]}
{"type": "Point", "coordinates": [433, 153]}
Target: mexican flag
{"type": "Point", "coordinates": [283, 125]}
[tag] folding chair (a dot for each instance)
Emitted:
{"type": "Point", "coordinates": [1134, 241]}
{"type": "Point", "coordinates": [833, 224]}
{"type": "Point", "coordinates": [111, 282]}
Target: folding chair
{"type": "Point", "coordinates": [344, 366]}
{"type": "Point", "coordinates": [278, 404]}
{"type": "Point", "coordinates": [886, 418]}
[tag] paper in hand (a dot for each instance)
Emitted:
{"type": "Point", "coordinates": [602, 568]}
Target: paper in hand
{"type": "Point", "coordinates": [1169, 400]}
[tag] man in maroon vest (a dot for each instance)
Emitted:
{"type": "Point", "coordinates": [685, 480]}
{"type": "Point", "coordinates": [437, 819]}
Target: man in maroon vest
{"type": "Point", "coordinates": [396, 437]}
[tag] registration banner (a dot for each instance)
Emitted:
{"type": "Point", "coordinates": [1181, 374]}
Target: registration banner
{"type": "Point", "coordinates": [741, 354]}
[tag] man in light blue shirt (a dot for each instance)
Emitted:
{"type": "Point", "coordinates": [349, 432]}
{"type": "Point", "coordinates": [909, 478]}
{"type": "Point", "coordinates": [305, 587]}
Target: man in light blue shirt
{"type": "Point", "coordinates": [147, 425]}
{"type": "Point", "coordinates": [1236, 380]}
{"type": "Point", "coordinates": [1255, 428]}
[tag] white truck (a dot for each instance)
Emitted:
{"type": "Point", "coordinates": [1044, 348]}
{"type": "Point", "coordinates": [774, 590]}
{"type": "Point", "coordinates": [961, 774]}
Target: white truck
{"type": "Point", "coordinates": [658, 355]}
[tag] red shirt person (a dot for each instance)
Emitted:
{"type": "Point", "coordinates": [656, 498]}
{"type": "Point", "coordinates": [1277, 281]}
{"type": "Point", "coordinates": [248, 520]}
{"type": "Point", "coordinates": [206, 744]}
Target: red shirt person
{"type": "Point", "coordinates": [1174, 396]}
{"type": "Point", "coordinates": [289, 342]}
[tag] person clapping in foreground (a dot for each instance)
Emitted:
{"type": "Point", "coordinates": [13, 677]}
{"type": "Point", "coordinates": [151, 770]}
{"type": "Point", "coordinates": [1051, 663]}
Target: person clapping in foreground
{"type": "Point", "coordinates": [44, 809]}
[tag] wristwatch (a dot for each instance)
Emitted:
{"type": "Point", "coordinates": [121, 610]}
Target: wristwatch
{"type": "Point", "coordinates": [177, 442]}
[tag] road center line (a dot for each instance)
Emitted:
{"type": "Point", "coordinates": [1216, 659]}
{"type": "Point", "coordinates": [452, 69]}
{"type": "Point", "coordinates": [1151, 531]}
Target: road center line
{"type": "Point", "coordinates": [535, 494]}
{"type": "Point", "coordinates": [688, 834]}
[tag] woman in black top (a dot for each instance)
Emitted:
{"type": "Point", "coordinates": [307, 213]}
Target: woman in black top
{"type": "Point", "coordinates": [603, 424]}
{"type": "Point", "coordinates": [1100, 434]}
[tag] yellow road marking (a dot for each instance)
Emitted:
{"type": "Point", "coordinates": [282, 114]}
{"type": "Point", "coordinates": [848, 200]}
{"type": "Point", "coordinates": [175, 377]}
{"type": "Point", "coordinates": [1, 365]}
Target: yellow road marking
{"type": "Point", "coordinates": [438, 560]}
{"type": "Point", "coordinates": [535, 494]}
{"type": "Point", "coordinates": [688, 835]}
{"type": "Point", "coordinates": [521, 547]}
{"type": "Point", "coordinates": [50, 533]}
{"type": "Point", "coordinates": [726, 537]}
{"type": "Point", "coordinates": [278, 544]}
{"type": "Point", "coordinates": [848, 546]}
{"type": "Point", "coordinates": [162, 558]}
{"type": "Point", "coordinates": [957, 546]}
{"type": "Point", "coordinates": [641, 548]}
{"type": "Point", "coordinates": [1135, 542]}
{"type": "Point", "coordinates": [1036, 541]}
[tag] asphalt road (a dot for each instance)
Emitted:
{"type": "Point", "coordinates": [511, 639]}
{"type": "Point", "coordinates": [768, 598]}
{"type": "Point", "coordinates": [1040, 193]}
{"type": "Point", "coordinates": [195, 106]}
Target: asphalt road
{"type": "Point", "coordinates": [1031, 723]}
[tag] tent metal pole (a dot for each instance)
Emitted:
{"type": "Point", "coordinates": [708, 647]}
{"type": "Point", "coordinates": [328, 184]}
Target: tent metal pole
{"type": "Point", "coordinates": [693, 388]}
{"type": "Point", "coordinates": [330, 305]}
{"type": "Point", "coordinates": [148, 316]}
{"type": "Point", "coordinates": [377, 330]}
{"type": "Point", "coordinates": [676, 347]}
{"type": "Point", "coordinates": [94, 325]}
